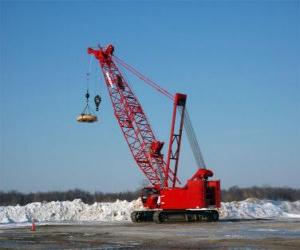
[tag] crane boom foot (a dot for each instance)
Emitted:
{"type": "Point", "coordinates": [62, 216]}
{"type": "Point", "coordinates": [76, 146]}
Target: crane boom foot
{"type": "Point", "coordinates": [164, 216]}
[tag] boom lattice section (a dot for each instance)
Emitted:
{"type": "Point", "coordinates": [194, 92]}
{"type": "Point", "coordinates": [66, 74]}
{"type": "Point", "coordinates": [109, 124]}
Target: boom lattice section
{"type": "Point", "coordinates": [132, 119]}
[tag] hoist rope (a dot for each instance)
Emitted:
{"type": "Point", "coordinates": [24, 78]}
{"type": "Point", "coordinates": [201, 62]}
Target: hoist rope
{"type": "Point", "coordinates": [86, 109]}
{"type": "Point", "coordinates": [88, 73]}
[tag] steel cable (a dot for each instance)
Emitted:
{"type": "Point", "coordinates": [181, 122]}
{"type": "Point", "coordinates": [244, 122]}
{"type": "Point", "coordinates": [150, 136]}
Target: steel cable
{"type": "Point", "coordinates": [188, 127]}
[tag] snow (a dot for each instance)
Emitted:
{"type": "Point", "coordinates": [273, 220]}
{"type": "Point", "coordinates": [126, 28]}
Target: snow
{"type": "Point", "coordinates": [67, 211]}
{"type": "Point", "coordinates": [259, 209]}
{"type": "Point", "coordinates": [78, 212]}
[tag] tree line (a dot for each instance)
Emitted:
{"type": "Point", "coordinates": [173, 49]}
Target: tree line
{"type": "Point", "coordinates": [234, 193]}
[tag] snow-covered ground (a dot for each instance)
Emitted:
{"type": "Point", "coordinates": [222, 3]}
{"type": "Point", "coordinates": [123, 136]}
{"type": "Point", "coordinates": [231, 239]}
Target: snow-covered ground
{"type": "Point", "coordinates": [77, 211]}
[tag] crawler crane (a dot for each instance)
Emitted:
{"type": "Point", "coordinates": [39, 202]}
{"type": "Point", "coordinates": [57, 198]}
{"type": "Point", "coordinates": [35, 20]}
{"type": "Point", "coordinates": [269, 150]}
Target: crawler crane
{"type": "Point", "coordinates": [165, 199]}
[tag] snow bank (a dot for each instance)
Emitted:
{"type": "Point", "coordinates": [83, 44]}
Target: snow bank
{"type": "Point", "coordinates": [255, 209]}
{"type": "Point", "coordinates": [68, 211]}
{"type": "Point", "coordinates": [77, 211]}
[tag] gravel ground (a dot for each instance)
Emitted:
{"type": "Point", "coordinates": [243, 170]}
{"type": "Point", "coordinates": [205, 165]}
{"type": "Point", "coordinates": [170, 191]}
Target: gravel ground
{"type": "Point", "coordinates": [230, 234]}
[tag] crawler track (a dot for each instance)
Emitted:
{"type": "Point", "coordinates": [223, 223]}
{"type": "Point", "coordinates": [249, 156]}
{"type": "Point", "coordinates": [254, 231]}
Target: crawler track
{"type": "Point", "coordinates": [164, 216]}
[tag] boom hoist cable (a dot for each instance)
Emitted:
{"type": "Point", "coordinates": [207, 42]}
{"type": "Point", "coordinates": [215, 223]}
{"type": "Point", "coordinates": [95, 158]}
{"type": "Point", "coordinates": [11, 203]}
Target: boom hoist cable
{"type": "Point", "coordinates": [192, 139]}
{"type": "Point", "coordinates": [188, 127]}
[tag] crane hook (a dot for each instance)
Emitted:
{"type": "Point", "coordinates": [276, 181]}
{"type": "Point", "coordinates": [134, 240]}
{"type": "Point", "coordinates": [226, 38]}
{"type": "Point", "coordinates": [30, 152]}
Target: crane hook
{"type": "Point", "coordinates": [97, 101]}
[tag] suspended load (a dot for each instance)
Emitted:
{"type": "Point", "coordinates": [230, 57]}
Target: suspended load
{"type": "Point", "coordinates": [87, 118]}
{"type": "Point", "coordinates": [87, 115]}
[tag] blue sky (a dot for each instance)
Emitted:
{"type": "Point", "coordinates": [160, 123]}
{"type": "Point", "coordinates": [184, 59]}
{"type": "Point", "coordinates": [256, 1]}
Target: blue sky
{"type": "Point", "coordinates": [238, 61]}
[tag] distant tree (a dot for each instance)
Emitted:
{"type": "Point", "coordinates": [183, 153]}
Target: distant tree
{"type": "Point", "coordinates": [234, 193]}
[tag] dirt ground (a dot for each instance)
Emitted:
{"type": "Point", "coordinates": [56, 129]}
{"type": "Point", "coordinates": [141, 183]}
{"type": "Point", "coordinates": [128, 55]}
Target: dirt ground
{"type": "Point", "coordinates": [230, 234]}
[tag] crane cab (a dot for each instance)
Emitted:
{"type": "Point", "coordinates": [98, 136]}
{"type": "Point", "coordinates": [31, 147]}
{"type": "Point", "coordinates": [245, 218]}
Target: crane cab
{"type": "Point", "coordinates": [150, 197]}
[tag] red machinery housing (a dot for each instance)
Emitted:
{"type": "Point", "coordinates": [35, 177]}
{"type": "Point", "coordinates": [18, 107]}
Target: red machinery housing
{"type": "Point", "coordinates": [164, 200]}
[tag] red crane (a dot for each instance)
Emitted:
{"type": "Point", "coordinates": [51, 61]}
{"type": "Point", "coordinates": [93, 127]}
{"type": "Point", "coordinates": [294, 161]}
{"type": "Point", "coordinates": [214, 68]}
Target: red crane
{"type": "Point", "coordinates": [164, 200]}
